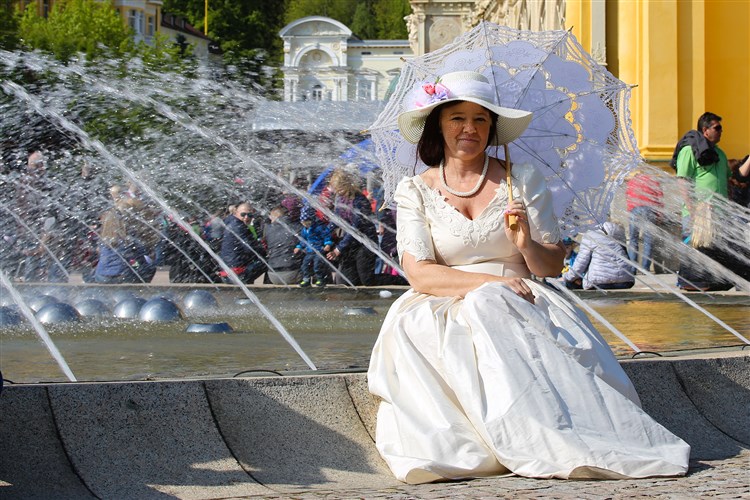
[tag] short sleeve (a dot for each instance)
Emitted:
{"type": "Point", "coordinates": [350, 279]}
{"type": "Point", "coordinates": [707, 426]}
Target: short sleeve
{"type": "Point", "coordinates": [686, 163]}
{"type": "Point", "coordinates": [412, 229]}
{"type": "Point", "coordinates": [539, 206]}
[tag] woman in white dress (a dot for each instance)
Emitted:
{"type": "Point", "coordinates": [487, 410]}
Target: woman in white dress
{"type": "Point", "coordinates": [482, 370]}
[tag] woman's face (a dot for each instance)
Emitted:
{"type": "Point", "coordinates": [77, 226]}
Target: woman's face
{"type": "Point", "coordinates": [466, 129]}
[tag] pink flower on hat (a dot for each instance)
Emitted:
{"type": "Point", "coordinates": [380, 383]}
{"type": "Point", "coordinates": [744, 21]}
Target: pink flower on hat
{"type": "Point", "coordinates": [441, 93]}
{"type": "Point", "coordinates": [435, 92]}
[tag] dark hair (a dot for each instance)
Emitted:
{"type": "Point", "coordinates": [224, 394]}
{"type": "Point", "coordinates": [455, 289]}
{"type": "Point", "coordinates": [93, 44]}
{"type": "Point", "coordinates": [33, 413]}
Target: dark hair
{"type": "Point", "coordinates": [280, 210]}
{"type": "Point", "coordinates": [430, 147]}
{"type": "Point", "coordinates": [705, 120]}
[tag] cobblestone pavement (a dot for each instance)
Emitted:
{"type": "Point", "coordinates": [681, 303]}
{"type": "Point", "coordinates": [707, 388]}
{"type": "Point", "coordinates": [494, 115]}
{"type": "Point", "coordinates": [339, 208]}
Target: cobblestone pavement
{"type": "Point", "coordinates": [719, 479]}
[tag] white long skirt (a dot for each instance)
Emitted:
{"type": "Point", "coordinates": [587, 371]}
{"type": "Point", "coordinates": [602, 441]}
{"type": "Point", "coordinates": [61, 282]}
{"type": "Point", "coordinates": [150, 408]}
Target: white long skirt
{"type": "Point", "coordinates": [492, 384]}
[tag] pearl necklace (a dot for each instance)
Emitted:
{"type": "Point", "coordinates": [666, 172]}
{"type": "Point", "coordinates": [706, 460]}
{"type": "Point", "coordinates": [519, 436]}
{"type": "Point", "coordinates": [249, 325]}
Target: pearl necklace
{"type": "Point", "coordinates": [465, 194]}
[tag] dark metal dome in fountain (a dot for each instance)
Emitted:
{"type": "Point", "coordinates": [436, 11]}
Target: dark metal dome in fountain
{"type": "Point", "coordinates": [359, 311]}
{"type": "Point", "coordinates": [209, 328]}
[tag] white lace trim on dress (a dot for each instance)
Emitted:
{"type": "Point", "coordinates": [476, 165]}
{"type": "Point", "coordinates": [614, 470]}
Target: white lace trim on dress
{"type": "Point", "coordinates": [416, 247]}
{"type": "Point", "coordinates": [472, 232]}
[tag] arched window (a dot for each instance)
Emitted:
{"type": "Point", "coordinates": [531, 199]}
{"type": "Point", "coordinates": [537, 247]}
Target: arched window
{"type": "Point", "coordinates": [317, 93]}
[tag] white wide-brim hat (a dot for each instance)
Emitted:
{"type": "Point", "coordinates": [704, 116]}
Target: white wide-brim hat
{"type": "Point", "coordinates": [461, 86]}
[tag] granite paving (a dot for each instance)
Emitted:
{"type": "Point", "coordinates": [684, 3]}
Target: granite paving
{"type": "Point", "coordinates": [719, 479]}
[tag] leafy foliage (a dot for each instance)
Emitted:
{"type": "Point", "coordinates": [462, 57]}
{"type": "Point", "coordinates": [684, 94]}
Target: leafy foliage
{"type": "Point", "coordinates": [362, 24]}
{"type": "Point", "coordinates": [95, 29]}
{"type": "Point", "coordinates": [246, 31]}
{"type": "Point", "coordinates": [368, 19]}
{"type": "Point", "coordinates": [76, 26]}
{"type": "Point", "coordinates": [8, 26]}
{"type": "Point", "coordinates": [340, 10]}
{"type": "Point", "coordinates": [389, 19]}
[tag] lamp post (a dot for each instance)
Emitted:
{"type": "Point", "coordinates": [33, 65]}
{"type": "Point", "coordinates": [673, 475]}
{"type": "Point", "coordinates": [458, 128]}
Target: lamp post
{"type": "Point", "coordinates": [205, 19]}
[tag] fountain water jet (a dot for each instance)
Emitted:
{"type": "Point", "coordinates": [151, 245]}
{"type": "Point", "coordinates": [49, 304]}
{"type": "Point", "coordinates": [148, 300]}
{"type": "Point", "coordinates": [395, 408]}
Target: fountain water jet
{"type": "Point", "coordinates": [224, 145]}
{"type": "Point", "coordinates": [135, 92]}
{"type": "Point", "coordinates": [43, 335]}
{"type": "Point", "coordinates": [38, 239]}
{"type": "Point", "coordinates": [733, 235]}
{"type": "Point", "coordinates": [190, 124]}
{"type": "Point", "coordinates": [15, 89]}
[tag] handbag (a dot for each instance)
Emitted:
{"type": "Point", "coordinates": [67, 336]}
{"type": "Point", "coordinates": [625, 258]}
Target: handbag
{"type": "Point", "coordinates": [702, 235]}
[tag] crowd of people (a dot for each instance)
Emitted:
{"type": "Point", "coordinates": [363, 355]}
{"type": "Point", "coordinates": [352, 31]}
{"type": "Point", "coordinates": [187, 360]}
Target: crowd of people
{"type": "Point", "coordinates": [299, 244]}
{"type": "Point", "coordinates": [43, 238]}
{"type": "Point", "coordinates": [125, 238]}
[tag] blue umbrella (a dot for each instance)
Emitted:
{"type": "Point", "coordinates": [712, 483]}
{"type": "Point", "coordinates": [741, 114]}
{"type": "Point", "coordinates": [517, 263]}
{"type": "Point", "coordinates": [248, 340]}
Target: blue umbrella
{"type": "Point", "coordinates": [362, 153]}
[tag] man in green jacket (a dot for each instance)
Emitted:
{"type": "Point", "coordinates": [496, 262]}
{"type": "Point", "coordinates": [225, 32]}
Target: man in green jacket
{"type": "Point", "coordinates": [704, 167]}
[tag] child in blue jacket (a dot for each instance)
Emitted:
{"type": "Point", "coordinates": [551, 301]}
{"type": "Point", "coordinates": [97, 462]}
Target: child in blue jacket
{"type": "Point", "coordinates": [315, 235]}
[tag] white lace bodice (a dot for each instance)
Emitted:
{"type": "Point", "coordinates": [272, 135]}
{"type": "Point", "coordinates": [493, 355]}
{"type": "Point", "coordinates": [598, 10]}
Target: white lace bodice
{"type": "Point", "coordinates": [429, 228]}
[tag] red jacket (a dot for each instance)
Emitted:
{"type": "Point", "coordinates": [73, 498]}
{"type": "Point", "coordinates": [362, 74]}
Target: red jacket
{"type": "Point", "coordinates": [643, 190]}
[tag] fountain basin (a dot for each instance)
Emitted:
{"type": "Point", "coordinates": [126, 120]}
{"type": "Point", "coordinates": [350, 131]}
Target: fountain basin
{"type": "Point", "coordinates": [111, 348]}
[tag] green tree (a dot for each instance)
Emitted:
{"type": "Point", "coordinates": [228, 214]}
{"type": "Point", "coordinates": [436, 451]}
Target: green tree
{"type": "Point", "coordinates": [247, 32]}
{"type": "Point", "coordinates": [8, 25]}
{"type": "Point", "coordinates": [237, 26]}
{"type": "Point", "coordinates": [362, 24]}
{"type": "Point", "coordinates": [192, 10]}
{"type": "Point", "coordinates": [340, 10]}
{"type": "Point", "coordinates": [389, 19]}
{"type": "Point", "coordinates": [165, 54]}
{"type": "Point", "coordinates": [368, 19]}
{"type": "Point", "coordinates": [76, 26]}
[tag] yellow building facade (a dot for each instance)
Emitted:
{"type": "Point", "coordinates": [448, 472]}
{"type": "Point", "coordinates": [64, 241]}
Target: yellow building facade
{"type": "Point", "coordinates": [684, 56]}
{"type": "Point", "coordinates": [143, 17]}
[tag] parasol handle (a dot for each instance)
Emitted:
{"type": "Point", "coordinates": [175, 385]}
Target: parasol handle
{"type": "Point", "coordinates": [512, 219]}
